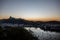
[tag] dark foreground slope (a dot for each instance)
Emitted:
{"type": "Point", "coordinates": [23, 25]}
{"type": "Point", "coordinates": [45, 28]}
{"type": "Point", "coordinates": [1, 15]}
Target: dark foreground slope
{"type": "Point", "coordinates": [16, 34]}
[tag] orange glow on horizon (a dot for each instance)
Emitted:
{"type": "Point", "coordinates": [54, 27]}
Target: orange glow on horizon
{"type": "Point", "coordinates": [44, 19]}
{"type": "Point", "coordinates": [34, 19]}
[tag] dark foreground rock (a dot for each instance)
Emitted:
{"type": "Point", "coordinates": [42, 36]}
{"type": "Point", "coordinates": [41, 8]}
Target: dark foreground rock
{"type": "Point", "coordinates": [15, 33]}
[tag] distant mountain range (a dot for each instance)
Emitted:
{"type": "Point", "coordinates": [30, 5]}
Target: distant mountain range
{"type": "Point", "coordinates": [48, 25]}
{"type": "Point", "coordinates": [13, 20]}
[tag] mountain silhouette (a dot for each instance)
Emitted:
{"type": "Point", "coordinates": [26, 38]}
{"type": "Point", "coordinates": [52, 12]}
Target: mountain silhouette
{"type": "Point", "coordinates": [53, 22]}
{"type": "Point", "coordinates": [43, 25]}
{"type": "Point", "coordinates": [13, 20]}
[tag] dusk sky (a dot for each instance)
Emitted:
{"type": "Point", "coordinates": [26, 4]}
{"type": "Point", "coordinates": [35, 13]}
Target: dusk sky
{"type": "Point", "coordinates": [30, 9]}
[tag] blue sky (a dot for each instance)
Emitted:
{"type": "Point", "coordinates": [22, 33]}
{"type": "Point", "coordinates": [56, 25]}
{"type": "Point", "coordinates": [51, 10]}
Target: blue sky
{"type": "Point", "coordinates": [30, 8]}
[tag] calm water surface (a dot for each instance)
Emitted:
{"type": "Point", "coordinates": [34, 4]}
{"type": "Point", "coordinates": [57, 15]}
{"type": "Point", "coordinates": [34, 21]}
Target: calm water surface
{"type": "Point", "coordinates": [44, 35]}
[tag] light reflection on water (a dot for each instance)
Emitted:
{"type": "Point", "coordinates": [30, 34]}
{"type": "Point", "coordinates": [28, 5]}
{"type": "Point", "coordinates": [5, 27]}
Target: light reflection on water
{"type": "Point", "coordinates": [44, 35]}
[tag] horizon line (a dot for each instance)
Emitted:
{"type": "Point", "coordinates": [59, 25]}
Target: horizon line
{"type": "Point", "coordinates": [36, 19]}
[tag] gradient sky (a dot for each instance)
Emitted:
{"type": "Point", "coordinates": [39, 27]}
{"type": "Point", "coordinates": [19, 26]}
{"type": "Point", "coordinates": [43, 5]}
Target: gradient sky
{"type": "Point", "coordinates": [30, 9]}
